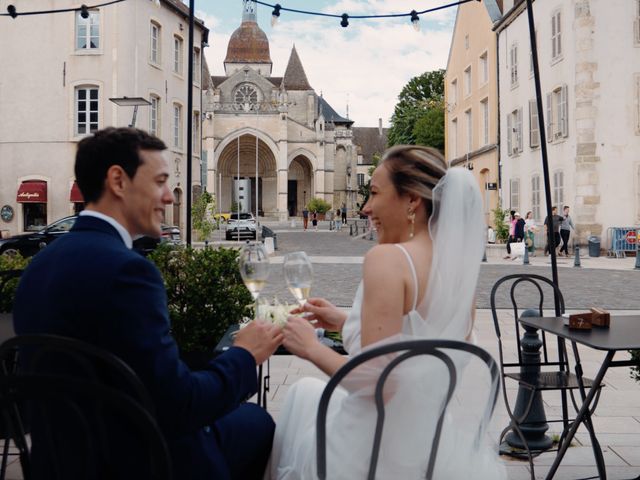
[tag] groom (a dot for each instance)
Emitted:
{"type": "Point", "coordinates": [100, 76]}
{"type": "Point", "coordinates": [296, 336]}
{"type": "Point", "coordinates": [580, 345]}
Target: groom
{"type": "Point", "coordinates": [90, 285]}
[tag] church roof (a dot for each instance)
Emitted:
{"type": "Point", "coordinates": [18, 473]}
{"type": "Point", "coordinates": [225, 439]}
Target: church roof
{"type": "Point", "coordinates": [294, 76]}
{"type": "Point", "coordinates": [330, 115]}
{"type": "Point", "coordinates": [218, 79]}
{"type": "Point", "coordinates": [370, 140]}
{"type": "Point", "coordinates": [248, 44]}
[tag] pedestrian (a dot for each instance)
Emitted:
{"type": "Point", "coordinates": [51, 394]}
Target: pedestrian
{"type": "Point", "coordinates": [518, 234]}
{"type": "Point", "coordinates": [305, 218]}
{"type": "Point", "coordinates": [344, 214]}
{"type": "Point", "coordinates": [554, 224]}
{"type": "Point", "coordinates": [511, 238]}
{"type": "Point", "coordinates": [314, 220]}
{"type": "Point", "coordinates": [530, 229]}
{"type": "Point", "coordinates": [565, 231]}
{"type": "Point", "coordinates": [491, 235]}
{"type": "Point", "coordinates": [338, 220]}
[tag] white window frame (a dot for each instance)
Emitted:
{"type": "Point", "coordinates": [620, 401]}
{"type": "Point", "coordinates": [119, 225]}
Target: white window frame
{"type": "Point", "coordinates": [514, 132]}
{"type": "Point", "coordinates": [91, 27]}
{"type": "Point", "coordinates": [178, 54]}
{"type": "Point", "coordinates": [155, 43]}
{"type": "Point", "coordinates": [468, 120]}
{"type": "Point", "coordinates": [534, 128]}
{"type": "Point", "coordinates": [636, 24]}
{"type": "Point", "coordinates": [467, 81]}
{"type": "Point", "coordinates": [85, 107]}
{"type": "Point", "coordinates": [483, 68]}
{"type": "Point", "coordinates": [484, 110]}
{"type": "Point", "coordinates": [556, 35]}
{"type": "Point", "coordinates": [196, 65]}
{"type": "Point", "coordinates": [535, 196]}
{"type": "Point", "coordinates": [453, 97]}
{"type": "Point", "coordinates": [453, 141]}
{"type": "Point", "coordinates": [154, 115]}
{"type": "Point", "coordinates": [558, 114]}
{"type": "Point", "coordinates": [177, 126]}
{"type": "Point", "coordinates": [513, 64]}
{"type": "Point", "coordinates": [514, 193]}
{"type": "Point", "coordinates": [558, 189]}
{"type": "Point", "coordinates": [195, 132]}
{"type": "Point", "coordinates": [360, 177]}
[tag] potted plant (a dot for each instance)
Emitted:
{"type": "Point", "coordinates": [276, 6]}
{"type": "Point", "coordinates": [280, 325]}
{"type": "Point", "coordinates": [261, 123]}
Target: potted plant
{"type": "Point", "coordinates": [319, 206]}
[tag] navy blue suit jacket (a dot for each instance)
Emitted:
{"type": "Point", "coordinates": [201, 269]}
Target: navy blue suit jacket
{"type": "Point", "coordinates": [89, 285]}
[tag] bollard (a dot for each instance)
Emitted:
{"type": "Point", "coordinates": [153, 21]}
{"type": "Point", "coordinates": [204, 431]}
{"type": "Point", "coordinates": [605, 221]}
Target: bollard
{"type": "Point", "coordinates": [351, 230]}
{"type": "Point", "coordinates": [536, 422]}
{"type": "Point", "coordinates": [525, 257]}
{"type": "Point", "coordinates": [206, 243]}
{"type": "Point", "coordinates": [576, 260]}
{"type": "Point", "coordinates": [484, 255]}
{"type": "Point", "coordinates": [371, 234]}
{"type": "Point", "coordinates": [356, 224]}
{"type": "Point", "coordinates": [330, 225]}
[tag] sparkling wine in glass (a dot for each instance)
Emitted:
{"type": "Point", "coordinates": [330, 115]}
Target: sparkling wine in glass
{"type": "Point", "coordinates": [298, 274]}
{"type": "Point", "coordinates": [254, 267]}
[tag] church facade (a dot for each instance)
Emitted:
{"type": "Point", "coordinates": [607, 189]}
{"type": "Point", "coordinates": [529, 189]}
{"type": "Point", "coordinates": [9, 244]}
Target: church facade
{"type": "Point", "coordinates": [272, 142]}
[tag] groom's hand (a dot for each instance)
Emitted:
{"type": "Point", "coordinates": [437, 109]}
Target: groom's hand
{"type": "Point", "coordinates": [260, 339]}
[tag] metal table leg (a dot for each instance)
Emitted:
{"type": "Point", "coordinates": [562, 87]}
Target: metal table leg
{"type": "Point", "coordinates": [265, 385]}
{"type": "Point", "coordinates": [581, 416]}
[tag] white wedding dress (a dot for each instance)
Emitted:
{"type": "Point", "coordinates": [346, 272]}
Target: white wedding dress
{"type": "Point", "coordinates": [417, 385]}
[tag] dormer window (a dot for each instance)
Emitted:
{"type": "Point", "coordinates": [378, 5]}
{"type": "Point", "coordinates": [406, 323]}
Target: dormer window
{"type": "Point", "coordinates": [246, 97]}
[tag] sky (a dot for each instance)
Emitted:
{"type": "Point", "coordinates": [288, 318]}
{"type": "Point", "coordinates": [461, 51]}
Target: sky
{"type": "Point", "coordinates": [363, 66]}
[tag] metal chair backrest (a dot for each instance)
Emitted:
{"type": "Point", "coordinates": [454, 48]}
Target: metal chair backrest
{"type": "Point", "coordinates": [405, 350]}
{"type": "Point", "coordinates": [90, 415]}
{"type": "Point", "coordinates": [520, 280]}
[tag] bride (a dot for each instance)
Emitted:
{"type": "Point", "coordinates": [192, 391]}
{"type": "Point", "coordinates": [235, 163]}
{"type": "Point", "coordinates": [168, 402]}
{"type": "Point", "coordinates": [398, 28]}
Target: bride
{"type": "Point", "coordinates": [419, 282]}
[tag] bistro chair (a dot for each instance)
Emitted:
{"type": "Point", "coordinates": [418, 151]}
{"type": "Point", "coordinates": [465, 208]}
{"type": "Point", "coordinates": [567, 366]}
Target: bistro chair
{"type": "Point", "coordinates": [551, 373]}
{"type": "Point", "coordinates": [442, 350]}
{"type": "Point", "coordinates": [90, 415]}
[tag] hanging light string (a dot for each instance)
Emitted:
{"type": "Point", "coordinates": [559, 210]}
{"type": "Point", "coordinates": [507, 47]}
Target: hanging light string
{"type": "Point", "coordinates": [413, 14]}
{"type": "Point", "coordinates": [83, 9]}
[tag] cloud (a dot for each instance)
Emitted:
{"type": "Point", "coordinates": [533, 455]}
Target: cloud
{"type": "Point", "coordinates": [366, 64]}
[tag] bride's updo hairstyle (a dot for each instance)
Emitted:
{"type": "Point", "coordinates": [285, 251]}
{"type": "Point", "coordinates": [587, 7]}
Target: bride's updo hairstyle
{"type": "Point", "coordinates": [416, 170]}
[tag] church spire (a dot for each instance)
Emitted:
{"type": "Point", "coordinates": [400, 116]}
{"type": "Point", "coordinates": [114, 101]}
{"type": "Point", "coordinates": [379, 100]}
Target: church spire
{"type": "Point", "coordinates": [249, 11]}
{"type": "Point", "coordinates": [294, 76]}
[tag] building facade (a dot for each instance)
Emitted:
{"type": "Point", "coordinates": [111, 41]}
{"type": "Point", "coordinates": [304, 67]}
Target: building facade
{"type": "Point", "coordinates": [272, 142]}
{"type": "Point", "coordinates": [66, 74]}
{"type": "Point", "coordinates": [589, 58]}
{"type": "Point", "coordinates": [471, 96]}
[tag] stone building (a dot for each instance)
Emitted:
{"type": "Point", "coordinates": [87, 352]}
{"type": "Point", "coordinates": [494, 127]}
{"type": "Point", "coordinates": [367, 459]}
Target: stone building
{"type": "Point", "coordinates": [588, 52]}
{"type": "Point", "coordinates": [56, 85]}
{"type": "Point", "coordinates": [369, 143]}
{"type": "Point", "coordinates": [272, 142]}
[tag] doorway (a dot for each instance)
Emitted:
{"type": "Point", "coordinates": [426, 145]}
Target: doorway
{"type": "Point", "coordinates": [292, 197]}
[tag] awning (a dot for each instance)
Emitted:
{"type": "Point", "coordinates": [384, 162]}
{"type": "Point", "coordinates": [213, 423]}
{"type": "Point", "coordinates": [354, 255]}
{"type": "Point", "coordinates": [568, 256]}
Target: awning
{"type": "Point", "coordinates": [32, 192]}
{"type": "Point", "coordinates": [76, 194]}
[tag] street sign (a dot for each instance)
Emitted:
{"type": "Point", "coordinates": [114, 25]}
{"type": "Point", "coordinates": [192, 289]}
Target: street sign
{"type": "Point", "coordinates": [491, 186]}
{"type": "Point", "coordinates": [631, 237]}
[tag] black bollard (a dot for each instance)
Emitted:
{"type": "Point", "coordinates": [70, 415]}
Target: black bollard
{"type": "Point", "coordinates": [535, 424]}
{"type": "Point", "coordinates": [525, 257]}
{"type": "Point", "coordinates": [484, 255]}
{"type": "Point", "coordinates": [351, 230]}
{"type": "Point", "coordinates": [206, 243]}
{"type": "Point", "coordinates": [576, 260]}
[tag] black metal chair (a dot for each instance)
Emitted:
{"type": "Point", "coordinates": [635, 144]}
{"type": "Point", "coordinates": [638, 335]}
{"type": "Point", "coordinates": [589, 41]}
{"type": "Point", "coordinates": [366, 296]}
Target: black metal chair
{"type": "Point", "coordinates": [90, 416]}
{"type": "Point", "coordinates": [405, 350]}
{"type": "Point", "coordinates": [547, 374]}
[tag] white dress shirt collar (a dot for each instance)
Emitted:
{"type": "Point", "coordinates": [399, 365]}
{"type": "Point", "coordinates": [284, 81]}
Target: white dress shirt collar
{"type": "Point", "coordinates": [126, 237]}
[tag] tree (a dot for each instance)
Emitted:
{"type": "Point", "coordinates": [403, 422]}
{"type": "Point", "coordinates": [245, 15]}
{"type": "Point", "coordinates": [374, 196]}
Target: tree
{"type": "Point", "coordinates": [201, 213]}
{"type": "Point", "coordinates": [418, 117]}
{"type": "Point", "coordinates": [363, 190]}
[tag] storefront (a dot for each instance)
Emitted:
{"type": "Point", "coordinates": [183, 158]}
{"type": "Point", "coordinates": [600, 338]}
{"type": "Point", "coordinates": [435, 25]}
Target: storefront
{"type": "Point", "coordinates": [32, 194]}
{"type": "Point", "coordinates": [76, 198]}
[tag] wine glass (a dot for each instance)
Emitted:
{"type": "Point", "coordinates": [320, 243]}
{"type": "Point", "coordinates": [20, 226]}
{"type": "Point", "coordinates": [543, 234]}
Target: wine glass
{"type": "Point", "coordinates": [254, 268]}
{"type": "Point", "coordinates": [298, 274]}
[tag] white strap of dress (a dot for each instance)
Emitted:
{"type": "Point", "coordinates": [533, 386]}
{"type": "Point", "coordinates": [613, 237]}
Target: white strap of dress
{"type": "Point", "coordinates": [413, 273]}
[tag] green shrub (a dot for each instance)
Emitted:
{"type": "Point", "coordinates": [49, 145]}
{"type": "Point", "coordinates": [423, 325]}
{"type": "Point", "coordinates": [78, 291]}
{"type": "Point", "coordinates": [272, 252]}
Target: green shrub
{"type": "Point", "coordinates": [201, 213]}
{"type": "Point", "coordinates": [8, 292]}
{"type": "Point", "coordinates": [502, 228]}
{"type": "Point", "coordinates": [205, 294]}
{"type": "Point", "coordinates": [318, 205]}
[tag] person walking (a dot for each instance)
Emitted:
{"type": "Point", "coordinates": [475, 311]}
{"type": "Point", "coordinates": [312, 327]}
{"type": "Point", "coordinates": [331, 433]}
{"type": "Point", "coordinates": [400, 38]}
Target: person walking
{"type": "Point", "coordinates": [565, 231]}
{"type": "Point", "coordinates": [511, 238]}
{"type": "Point", "coordinates": [338, 220]}
{"type": "Point", "coordinates": [554, 224]}
{"type": "Point", "coordinates": [530, 229]}
{"type": "Point", "coordinates": [344, 214]}
{"type": "Point", "coordinates": [305, 218]}
{"type": "Point", "coordinates": [314, 220]}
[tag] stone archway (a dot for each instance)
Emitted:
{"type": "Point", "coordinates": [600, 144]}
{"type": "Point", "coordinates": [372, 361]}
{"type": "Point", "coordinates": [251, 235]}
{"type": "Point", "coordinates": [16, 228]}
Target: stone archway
{"type": "Point", "coordinates": [300, 184]}
{"type": "Point", "coordinates": [237, 167]}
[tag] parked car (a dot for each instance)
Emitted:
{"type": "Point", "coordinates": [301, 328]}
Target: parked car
{"type": "Point", "coordinates": [28, 244]}
{"type": "Point", "coordinates": [241, 227]}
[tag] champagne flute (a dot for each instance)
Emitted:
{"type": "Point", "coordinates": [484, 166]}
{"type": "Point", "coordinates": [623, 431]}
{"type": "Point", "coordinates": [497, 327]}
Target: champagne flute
{"type": "Point", "coordinates": [254, 268]}
{"type": "Point", "coordinates": [298, 274]}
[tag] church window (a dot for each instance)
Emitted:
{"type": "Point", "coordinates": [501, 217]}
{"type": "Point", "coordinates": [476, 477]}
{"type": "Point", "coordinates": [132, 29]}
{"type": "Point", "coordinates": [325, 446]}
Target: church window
{"type": "Point", "coordinates": [246, 96]}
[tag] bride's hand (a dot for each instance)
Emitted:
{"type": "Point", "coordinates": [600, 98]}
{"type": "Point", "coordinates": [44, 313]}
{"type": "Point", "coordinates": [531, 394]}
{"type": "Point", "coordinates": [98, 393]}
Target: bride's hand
{"type": "Point", "coordinates": [299, 337]}
{"type": "Point", "coordinates": [324, 312]}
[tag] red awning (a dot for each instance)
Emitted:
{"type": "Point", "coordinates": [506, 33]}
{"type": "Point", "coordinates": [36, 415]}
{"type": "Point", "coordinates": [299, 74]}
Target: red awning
{"type": "Point", "coordinates": [76, 194]}
{"type": "Point", "coordinates": [32, 192]}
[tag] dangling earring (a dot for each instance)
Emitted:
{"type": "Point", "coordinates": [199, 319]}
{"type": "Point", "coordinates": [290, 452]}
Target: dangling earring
{"type": "Point", "coordinates": [412, 220]}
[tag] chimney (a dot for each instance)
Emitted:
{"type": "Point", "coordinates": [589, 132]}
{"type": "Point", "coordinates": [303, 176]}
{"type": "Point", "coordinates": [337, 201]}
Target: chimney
{"type": "Point", "coordinates": [379, 126]}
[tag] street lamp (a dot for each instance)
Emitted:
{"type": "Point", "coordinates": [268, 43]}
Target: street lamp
{"type": "Point", "coordinates": [134, 102]}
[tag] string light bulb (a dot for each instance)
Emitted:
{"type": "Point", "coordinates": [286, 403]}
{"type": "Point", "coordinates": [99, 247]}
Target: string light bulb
{"type": "Point", "coordinates": [345, 21]}
{"type": "Point", "coordinates": [11, 9]}
{"type": "Point", "coordinates": [415, 20]}
{"type": "Point", "coordinates": [84, 11]}
{"type": "Point", "coordinates": [275, 15]}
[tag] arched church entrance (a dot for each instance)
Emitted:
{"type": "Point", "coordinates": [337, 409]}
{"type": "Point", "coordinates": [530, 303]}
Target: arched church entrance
{"type": "Point", "coordinates": [241, 171]}
{"type": "Point", "coordinates": [299, 184]}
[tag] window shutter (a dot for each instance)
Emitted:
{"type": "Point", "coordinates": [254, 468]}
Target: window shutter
{"type": "Point", "coordinates": [549, 119]}
{"type": "Point", "coordinates": [534, 129]}
{"type": "Point", "coordinates": [564, 111]}
{"type": "Point", "coordinates": [559, 34]}
{"type": "Point", "coordinates": [553, 36]}
{"type": "Point", "coordinates": [509, 135]}
{"type": "Point", "coordinates": [520, 142]}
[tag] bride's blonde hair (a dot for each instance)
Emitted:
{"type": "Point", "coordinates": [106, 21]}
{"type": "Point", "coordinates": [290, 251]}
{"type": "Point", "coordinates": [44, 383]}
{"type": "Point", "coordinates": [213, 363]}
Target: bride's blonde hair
{"type": "Point", "coordinates": [416, 170]}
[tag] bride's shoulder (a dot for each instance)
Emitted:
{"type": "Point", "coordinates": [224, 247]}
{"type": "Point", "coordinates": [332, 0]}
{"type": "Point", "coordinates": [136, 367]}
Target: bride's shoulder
{"type": "Point", "coordinates": [382, 256]}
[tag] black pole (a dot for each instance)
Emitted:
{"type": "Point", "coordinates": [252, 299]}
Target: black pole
{"type": "Point", "coordinates": [190, 119]}
{"type": "Point", "coordinates": [543, 150]}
